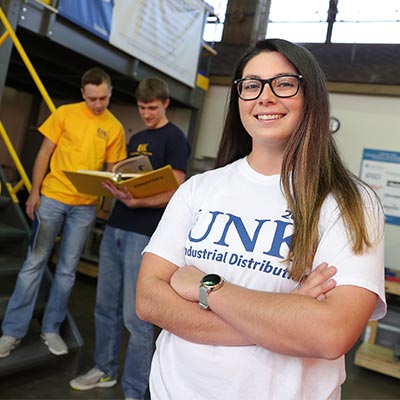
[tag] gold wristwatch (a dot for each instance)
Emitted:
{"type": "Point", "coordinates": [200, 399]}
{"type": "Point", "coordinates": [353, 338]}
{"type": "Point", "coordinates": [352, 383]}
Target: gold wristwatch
{"type": "Point", "coordinates": [209, 283]}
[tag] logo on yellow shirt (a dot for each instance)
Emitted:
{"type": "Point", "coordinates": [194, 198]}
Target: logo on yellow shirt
{"type": "Point", "coordinates": [142, 149]}
{"type": "Point", "coordinates": [102, 134]}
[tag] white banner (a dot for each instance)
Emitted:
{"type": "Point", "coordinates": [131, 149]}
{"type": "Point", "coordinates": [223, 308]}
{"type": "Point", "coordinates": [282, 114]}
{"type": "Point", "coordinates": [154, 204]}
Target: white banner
{"type": "Point", "coordinates": [166, 34]}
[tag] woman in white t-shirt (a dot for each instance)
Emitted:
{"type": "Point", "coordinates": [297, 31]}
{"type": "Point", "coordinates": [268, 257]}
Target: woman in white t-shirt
{"type": "Point", "coordinates": [237, 271]}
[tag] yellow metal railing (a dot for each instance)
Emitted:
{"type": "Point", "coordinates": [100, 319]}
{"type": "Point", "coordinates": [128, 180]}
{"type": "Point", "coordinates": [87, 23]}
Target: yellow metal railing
{"type": "Point", "coordinates": [9, 32]}
{"type": "Point", "coordinates": [24, 177]}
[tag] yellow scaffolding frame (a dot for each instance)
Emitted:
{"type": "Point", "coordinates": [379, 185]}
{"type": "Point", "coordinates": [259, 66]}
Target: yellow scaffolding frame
{"type": "Point", "coordinates": [24, 181]}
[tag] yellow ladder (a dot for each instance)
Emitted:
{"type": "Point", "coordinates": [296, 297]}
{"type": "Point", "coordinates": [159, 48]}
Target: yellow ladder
{"type": "Point", "coordinates": [24, 181]}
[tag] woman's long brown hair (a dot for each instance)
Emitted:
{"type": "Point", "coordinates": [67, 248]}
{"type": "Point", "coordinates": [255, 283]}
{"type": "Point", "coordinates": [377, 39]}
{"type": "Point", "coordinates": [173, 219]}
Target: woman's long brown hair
{"type": "Point", "coordinates": [312, 167]}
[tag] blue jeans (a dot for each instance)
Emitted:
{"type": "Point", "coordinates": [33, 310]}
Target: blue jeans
{"type": "Point", "coordinates": [76, 222]}
{"type": "Point", "coordinates": [120, 258]}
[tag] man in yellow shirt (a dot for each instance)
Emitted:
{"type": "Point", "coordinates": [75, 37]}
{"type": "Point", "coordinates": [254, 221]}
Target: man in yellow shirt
{"type": "Point", "coordinates": [84, 135]}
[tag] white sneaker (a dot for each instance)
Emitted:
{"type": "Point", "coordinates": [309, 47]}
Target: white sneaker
{"type": "Point", "coordinates": [7, 344]}
{"type": "Point", "coordinates": [94, 378]}
{"type": "Point", "coordinates": [55, 343]}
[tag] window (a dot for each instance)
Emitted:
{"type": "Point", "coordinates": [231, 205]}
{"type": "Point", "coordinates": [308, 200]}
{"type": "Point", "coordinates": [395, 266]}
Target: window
{"type": "Point", "coordinates": [357, 21]}
{"type": "Point", "coordinates": [367, 21]}
{"type": "Point", "coordinates": [298, 21]}
{"type": "Point", "coordinates": [215, 23]}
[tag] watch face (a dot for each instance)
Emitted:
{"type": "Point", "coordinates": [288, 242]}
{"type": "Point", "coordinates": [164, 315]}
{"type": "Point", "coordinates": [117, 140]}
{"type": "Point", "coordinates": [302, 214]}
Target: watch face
{"type": "Point", "coordinates": [211, 280]}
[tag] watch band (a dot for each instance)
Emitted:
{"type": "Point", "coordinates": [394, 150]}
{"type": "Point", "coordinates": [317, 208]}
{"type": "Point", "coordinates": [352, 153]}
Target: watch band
{"type": "Point", "coordinates": [203, 294]}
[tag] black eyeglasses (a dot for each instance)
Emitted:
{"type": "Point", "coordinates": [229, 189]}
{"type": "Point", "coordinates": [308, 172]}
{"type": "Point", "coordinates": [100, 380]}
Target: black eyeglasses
{"type": "Point", "coordinates": [281, 86]}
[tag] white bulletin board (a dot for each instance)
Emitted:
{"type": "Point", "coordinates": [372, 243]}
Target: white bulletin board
{"type": "Point", "coordinates": [381, 170]}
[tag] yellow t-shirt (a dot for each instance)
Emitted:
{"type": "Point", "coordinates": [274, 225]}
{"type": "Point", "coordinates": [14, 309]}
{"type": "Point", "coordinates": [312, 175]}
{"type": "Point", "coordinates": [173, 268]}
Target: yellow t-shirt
{"type": "Point", "coordinates": [83, 141]}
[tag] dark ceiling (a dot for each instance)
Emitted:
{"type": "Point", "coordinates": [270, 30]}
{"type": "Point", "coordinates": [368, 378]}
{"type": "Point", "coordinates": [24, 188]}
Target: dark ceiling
{"type": "Point", "coordinates": [372, 64]}
{"type": "Point", "coordinates": [59, 69]}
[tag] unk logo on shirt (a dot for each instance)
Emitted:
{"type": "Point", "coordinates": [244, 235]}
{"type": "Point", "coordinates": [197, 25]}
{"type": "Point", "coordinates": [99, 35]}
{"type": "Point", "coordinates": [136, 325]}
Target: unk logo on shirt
{"type": "Point", "coordinates": [252, 244]}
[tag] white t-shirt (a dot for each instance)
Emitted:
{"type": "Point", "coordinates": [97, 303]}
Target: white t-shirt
{"type": "Point", "coordinates": [234, 222]}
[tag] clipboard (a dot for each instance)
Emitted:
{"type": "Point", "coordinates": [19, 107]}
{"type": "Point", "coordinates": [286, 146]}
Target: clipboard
{"type": "Point", "coordinates": [140, 185]}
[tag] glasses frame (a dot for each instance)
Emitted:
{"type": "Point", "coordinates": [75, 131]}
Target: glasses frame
{"type": "Point", "coordinates": [237, 82]}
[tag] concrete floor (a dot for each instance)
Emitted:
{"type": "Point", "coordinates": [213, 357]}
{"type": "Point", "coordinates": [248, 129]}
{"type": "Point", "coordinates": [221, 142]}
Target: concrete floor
{"type": "Point", "coordinates": [52, 382]}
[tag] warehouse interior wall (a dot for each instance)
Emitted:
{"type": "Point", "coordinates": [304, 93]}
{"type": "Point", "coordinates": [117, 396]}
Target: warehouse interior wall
{"type": "Point", "coordinates": [14, 116]}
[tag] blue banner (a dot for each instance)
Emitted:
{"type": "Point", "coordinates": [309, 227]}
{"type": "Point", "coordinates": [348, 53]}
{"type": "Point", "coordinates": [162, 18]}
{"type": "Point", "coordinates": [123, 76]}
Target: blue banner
{"type": "Point", "coordinates": [93, 15]}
